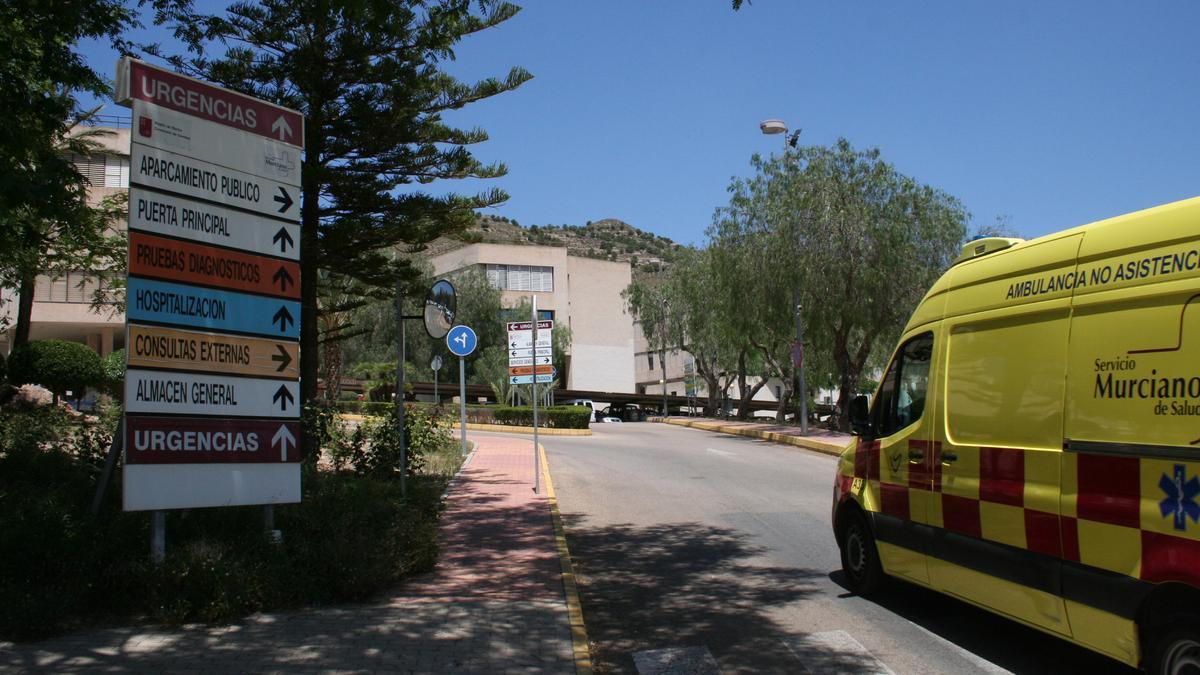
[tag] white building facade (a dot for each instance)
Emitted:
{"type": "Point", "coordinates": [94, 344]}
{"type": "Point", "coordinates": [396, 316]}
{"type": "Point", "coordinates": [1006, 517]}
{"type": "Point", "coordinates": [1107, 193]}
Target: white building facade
{"type": "Point", "coordinates": [580, 293]}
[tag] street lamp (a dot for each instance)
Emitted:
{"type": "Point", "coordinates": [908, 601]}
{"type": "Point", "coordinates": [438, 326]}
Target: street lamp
{"type": "Point", "coordinates": [771, 127]}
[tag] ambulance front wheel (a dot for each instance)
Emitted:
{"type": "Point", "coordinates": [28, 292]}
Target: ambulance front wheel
{"type": "Point", "coordinates": [1177, 652]}
{"type": "Point", "coordinates": [860, 557]}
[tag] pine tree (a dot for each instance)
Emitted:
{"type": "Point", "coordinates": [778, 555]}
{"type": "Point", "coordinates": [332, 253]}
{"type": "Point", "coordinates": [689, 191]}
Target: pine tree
{"type": "Point", "coordinates": [367, 76]}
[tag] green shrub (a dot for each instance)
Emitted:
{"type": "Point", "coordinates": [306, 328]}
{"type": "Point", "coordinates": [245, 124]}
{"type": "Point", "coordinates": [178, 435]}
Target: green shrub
{"type": "Point", "coordinates": [561, 417]}
{"type": "Point", "coordinates": [350, 537]}
{"type": "Point", "coordinates": [3, 368]}
{"type": "Point", "coordinates": [57, 365]}
{"type": "Point", "coordinates": [113, 366]}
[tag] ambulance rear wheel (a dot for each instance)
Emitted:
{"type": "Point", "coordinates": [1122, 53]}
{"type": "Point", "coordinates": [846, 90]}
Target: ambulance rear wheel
{"type": "Point", "coordinates": [860, 557]}
{"type": "Point", "coordinates": [1177, 652]}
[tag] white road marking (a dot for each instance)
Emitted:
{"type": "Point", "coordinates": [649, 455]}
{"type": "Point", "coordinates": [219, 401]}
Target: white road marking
{"type": "Point", "coordinates": [676, 661]}
{"type": "Point", "coordinates": [835, 652]}
{"type": "Point", "coordinates": [723, 453]}
{"type": "Point", "coordinates": [979, 662]}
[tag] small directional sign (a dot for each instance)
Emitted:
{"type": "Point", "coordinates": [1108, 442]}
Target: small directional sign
{"type": "Point", "coordinates": [194, 307]}
{"type": "Point", "coordinates": [530, 370]}
{"type": "Point", "coordinates": [205, 223]}
{"type": "Point", "coordinates": [529, 379]}
{"type": "Point", "coordinates": [529, 352]}
{"type": "Point", "coordinates": [200, 440]}
{"type": "Point", "coordinates": [178, 393]}
{"type": "Point", "coordinates": [529, 361]}
{"type": "Point", "coordinates": [163, 348]}
{"type": "Point", "coordinates": [170, 172]}
{"type": "Point", "coordinates": [185, 262]}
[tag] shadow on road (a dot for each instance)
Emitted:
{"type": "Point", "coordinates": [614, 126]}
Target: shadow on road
{"type": "Point", "coordinates": [683, 585]}
{"type": "Point", "coordinates": [989, 636]}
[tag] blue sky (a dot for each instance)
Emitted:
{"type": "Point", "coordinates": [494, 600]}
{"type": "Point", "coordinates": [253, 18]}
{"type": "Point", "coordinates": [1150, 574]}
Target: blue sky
{"type": "Point", "coordinates": [1048, 114]}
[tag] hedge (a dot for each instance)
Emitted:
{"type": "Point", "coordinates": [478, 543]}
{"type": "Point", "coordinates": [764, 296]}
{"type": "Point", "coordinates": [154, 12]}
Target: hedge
{"type": "Point", "coordinates": [560, 417]}
{"type": "Point", "coordinates": [57, 365]}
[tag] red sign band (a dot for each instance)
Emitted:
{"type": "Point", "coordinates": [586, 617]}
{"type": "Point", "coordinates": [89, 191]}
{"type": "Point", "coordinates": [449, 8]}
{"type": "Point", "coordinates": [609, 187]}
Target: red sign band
{"type": "Point", "coordinates": [215, 104]}
{"type": "Point", "coordinates": [187, 262]}
{"type": "Point", "coordinates": [207, 440]}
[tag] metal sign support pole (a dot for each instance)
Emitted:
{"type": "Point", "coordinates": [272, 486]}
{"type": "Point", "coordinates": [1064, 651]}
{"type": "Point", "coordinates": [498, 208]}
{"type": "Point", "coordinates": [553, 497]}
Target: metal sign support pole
{"type": "Point", "coordinates": [110, 462]}
{"type": "Point", "coordinates": [462, 401]}
{"type": "Point", "coordinates": [537, 460]}
{"type": "Point", "coordinates": [400, 387]}
{"type": "Point", "coordinates": [158, 536]}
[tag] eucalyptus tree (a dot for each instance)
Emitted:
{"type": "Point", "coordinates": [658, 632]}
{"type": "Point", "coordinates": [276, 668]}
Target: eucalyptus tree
{"type": "Point", "coordinates": [370, 80]}
{"type": "Point", "coordinates": [686, 307]}
{"type": "Point", "coordinates": [859, 241]}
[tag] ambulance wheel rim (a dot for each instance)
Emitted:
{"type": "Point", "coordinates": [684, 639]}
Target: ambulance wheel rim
{"type": "Point", "coordinates": [855, 552]}
{"type": "Point", "coordinates": [1182, 657]}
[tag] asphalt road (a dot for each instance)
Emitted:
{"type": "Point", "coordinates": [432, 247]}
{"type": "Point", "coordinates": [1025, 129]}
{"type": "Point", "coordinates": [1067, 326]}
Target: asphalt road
{"type": "Point", "coordinates": [699, 552]}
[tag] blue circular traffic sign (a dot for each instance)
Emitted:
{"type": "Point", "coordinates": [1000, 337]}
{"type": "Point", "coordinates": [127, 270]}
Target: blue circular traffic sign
{"type": "Point", "coordinates": [461, 340]}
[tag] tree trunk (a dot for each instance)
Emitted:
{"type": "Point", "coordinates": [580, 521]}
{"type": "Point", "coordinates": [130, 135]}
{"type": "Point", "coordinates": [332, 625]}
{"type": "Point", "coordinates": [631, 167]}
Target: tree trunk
{"type": "Point", "coordinates": [310, 220]}
{"type": "Point", "coordinates": [24, 309]}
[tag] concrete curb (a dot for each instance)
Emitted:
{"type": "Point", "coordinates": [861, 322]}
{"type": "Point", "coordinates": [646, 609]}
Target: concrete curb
{"type": "Point", "coordinates": [814, 444]}
{"type": "Point", "coordinates": [502, 428]}
{"type": "Point", "coordinates": [505, 428]}
{"type": "Point", "coordinates": [579, 638]}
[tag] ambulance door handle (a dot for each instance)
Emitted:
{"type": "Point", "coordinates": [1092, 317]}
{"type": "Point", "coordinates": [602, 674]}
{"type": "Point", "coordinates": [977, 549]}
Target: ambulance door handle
{"type": "Point", "coordinates": [948, 457]}
{"type": "Point", "coordinates": [916, 456]}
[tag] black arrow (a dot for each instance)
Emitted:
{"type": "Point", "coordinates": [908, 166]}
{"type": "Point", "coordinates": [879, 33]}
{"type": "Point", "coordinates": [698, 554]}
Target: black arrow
{"type": "Point", "coordinates": [283, 358]}
{"type": "Point", "coordinates": [283, 198]}
{"type": "Point", "coordinates": [283, 278]}
{"type": "Point", "coordinates": [283, 239]}
{"type": "Point", "coordinates": [283, 317]}
{"type": "Point", "coordinates": [283, 397]}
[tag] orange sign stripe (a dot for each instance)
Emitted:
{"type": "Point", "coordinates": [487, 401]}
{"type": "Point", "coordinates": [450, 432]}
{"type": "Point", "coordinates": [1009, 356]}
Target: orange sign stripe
{"type": "Point", "coordinates": [154, 347]}
{"type": "Point", "coordinates": [529, 370]}
{"type": "Point", "coordinates": [192, 263]}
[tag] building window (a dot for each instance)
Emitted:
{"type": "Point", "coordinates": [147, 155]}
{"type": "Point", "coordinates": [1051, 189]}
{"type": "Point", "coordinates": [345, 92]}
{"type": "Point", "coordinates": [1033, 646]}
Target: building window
{"type": "Point", "coordinates": [512, 314]}
{"type": "Point", "coordinates": [103, 170]}
{"type": "Point", "coordinates": [650, 358]}
{"type": "Point", "coordinates": [778, 392]}
{"type": "Point", "coordinates": [75, 287]}
{"type": "Point", "coordinates": [521, 278]}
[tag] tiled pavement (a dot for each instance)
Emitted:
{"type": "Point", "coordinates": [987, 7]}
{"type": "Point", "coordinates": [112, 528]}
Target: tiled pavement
{"type": "Point", "coordinates": [494, 604]}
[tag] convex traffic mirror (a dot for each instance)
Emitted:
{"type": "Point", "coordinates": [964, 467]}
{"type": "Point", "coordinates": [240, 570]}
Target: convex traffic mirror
{"type": "Point", "coordinates": [440, 306]}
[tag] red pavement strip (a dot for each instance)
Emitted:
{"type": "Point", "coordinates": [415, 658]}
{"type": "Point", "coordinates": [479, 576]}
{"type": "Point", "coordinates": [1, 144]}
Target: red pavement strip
{"type": "Point", "coordinates": [501, 541]}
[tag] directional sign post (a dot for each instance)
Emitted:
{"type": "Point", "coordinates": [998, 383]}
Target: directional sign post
{"type": "Point", "coordinates": [461, 341]}
{"type": "Point", "coordinates": [213, 320]}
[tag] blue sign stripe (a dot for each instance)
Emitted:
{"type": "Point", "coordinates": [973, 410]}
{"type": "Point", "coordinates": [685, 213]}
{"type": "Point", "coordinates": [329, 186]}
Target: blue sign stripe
{"type": "Point", "coordinates": [190, 306]}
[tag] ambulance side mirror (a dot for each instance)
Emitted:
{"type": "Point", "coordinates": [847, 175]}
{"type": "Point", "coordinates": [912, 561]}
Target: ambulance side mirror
{"type": "Point", "coordinates": [860, 417]}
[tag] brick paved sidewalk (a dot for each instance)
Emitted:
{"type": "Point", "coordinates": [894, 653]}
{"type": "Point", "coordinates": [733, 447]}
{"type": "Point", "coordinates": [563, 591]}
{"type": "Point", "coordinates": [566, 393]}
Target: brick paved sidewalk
{"type": "Point", "coordinates": [494, 604]}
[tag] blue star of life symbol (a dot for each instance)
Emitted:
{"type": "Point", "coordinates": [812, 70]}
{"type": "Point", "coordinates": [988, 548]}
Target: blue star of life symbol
{"type": "Point", "coordinates": [1181, 497]}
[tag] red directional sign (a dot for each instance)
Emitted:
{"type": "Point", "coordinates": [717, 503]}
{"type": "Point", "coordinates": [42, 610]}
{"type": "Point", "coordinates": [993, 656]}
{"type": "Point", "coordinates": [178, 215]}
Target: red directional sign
{"type": "Point", "coordinates": [190, 263]}
{"type": "Point", "coordinates": [212, 103]}
{"type": "Point", "coordinates": [202, 440]}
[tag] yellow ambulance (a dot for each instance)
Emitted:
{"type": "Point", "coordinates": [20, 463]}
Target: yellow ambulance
{"type": "Point", "coordinates": [1034, 445]}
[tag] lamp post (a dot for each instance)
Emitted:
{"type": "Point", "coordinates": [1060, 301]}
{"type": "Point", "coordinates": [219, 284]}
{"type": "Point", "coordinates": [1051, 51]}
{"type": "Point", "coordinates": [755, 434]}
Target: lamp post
{"type": "Point", "coordinates": [770, 127]}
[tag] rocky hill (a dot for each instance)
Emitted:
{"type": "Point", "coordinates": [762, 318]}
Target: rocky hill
{"type": "Point", "coordinates": [608, 239]}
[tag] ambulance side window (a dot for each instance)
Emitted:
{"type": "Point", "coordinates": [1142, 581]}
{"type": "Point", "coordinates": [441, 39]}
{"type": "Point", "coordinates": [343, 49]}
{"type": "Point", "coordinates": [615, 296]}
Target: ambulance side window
{"type": "Point", "coordinates": [901, 399]}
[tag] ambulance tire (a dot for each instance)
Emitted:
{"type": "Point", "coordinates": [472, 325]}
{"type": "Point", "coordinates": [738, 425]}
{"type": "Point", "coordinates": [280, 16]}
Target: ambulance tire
{"type": "Point", "coordinates": [1176, 652]}
{"type": "Point", "coordinates": [860, 556]}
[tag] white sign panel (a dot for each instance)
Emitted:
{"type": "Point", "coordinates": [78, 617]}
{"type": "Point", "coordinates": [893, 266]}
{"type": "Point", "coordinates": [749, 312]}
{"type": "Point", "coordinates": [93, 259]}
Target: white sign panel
{"type": "Point", "coordinates": [154, 487]}
{"type": "Point", "coordinates": [165, 129]}
{"type": "Point", "coordinates": [201, 222]}
{"type": "Point", "coordinates": [531, 361]}
{"type": "Point", "coordinates": [529, 352]}
{"type": "Point", "coordinates": [178, 393]}
{"type": "Point", "coordinates": [193, 178]}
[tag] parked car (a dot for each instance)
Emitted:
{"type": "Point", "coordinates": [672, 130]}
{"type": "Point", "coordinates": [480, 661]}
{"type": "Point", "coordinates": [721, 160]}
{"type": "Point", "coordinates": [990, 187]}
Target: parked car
{"type": "Point", "coordinates": [628, 412]}
{"type": "Point", "coordinates": [587, 402]}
